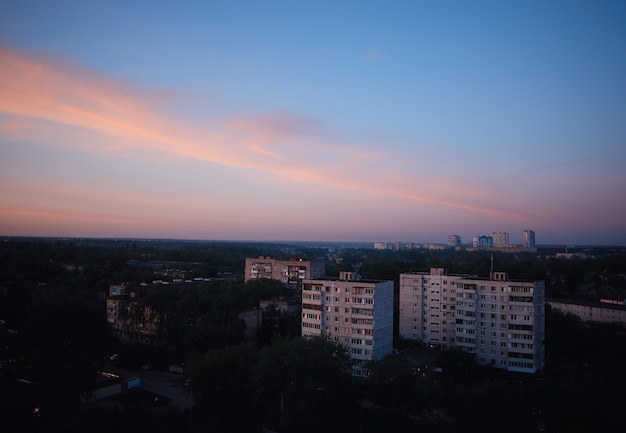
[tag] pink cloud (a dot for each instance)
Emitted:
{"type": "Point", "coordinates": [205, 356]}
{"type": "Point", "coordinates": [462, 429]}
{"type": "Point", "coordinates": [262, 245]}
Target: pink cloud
{"type": "Point", "coordinates": [43, 97]}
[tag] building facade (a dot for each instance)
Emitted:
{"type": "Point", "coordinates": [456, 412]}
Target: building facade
{"type": "Point", "coordinates": [528, 238]}
{"type": "Point", "coordinates": [130, 320]}
{"type": "Point", "coordinates": [356, 313]}
{"type": "Point", "coordinates": [500, 239]}
{"type": "Point", "coordinates": [500, 321]}
{"type": "Point", "coordinates": [454, 241]}
{"type": "Point", "coordinates": [482, 241]}
{"type": "Point", "coordinates": [592, 312]}
{"type": "Point", "coordinates": [291, 271]}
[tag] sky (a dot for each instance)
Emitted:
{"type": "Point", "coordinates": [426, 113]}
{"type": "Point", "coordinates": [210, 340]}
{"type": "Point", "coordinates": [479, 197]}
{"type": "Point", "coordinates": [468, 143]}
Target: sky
{"type": "Point", "coordinates": [325, 120]}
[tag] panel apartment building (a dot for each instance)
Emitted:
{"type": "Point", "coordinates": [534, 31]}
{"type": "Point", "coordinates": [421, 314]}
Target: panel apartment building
{"type": "Point", "coordinates": [291, 271]}
{"type": "Point", "coordinates": [356, 313]}
{"type": "Point", "coordinates": [500, 321]}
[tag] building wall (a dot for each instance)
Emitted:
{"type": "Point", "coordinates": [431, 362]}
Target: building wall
{"type": "Point", "coordinates": [592, 312]}
{"type": "Point", "coordinates": [252, 321]}
{"type": "Point", "coordinates": [454, 240]}
{"type": "Point", "coordinates": [356, 313]}
{"type": "Point", "coordinates": [500, 239]}
{"type": "Point", "coordinates": [529, 238]}
{"type": "Point", "coordinates": [501, 322]}
{"type": "Point", "coordinates": [130, 320]}
{"type": "Point", "coordinates": [291, 271]}
{"type": "Point", "coordinates": [482, 241]}
{"type": "Point", "coordinates": [426, 307]}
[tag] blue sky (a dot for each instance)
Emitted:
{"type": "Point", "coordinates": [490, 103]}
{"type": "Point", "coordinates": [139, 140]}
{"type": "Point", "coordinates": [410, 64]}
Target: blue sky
{"type": "Point", "coordinates": [314, 120]}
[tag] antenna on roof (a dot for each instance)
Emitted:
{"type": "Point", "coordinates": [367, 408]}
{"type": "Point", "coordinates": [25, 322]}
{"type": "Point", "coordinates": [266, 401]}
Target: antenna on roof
{"type": "Point", "coordinates": [491, 271]}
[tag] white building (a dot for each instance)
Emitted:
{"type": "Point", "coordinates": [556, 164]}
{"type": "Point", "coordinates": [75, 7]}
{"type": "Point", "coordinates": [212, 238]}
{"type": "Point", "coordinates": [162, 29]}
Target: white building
{"type": "Point", "coordinates": [356, 313]}
{"type": "Point", "coordinates": [500, 321]}
{"type": "Point", "coordinates": [500, 239]}
{"type": "Point", "coordinates": [529, 238]}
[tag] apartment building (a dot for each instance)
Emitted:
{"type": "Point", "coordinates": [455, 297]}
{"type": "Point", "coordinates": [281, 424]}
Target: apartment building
{"type": "Point", "coordinates": [528, 237]}
{"type": "Point", "coordinates": [500, 321]}
{"type": "Point", "coordinates": [482, 241]}
{"type": "Point", "coordinates": [605, 311]}
{"type": "Point", "coordinates": [291, 271]}
{"type": "Point", "coordinates": [454, 241]}
{"type": "Point", "coordinates": [500, 239]}
{"type": "Point", "coordinates": [356, 313]}
{"type": "Point", "coordinates": [130, 320]}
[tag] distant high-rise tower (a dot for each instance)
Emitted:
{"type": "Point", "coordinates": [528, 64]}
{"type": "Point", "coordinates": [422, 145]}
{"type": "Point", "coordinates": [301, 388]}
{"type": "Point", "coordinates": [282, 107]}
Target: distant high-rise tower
{"type": "Point", "coordinates": [482, 241]}
{"type": "Point", "coordinates": [500, 239]}
{"type": "Point", "coordinates": [454, 241]}
{"type": "Point", "coordinates": [529, 238]}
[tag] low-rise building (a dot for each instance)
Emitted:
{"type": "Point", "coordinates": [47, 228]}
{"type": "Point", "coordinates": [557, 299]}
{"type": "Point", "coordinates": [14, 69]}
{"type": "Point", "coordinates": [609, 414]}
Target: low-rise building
{"type": "Point", "coordinates": [593, 312]}
{"type": "Point", "coordinates": [291, 272]}
{"type": "Point", "coordinates": [130, 320]}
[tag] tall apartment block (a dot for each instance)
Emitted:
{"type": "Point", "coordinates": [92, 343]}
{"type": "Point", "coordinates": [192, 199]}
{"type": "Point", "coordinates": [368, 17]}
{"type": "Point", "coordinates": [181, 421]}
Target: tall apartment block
{"type": "Point", "coordinates": [529, 238]}
{"type": "Point", "coordinates": [500, 321]}
{"type": "Point", "coordinates": [482, 241]}
{"type": "Point", "coordinates": [291, 271]}
{"type": "Point", "coordinates": [500, 239]}
{"type": "Point", "coordinates": [356, 313]}
{"type": "Point", "coordinates": [454, 241]}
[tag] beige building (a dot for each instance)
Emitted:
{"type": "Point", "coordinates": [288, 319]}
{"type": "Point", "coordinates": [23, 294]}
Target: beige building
{"type": "Point", "coordinates": [500, 321]}
{"type": "Point", "coordinates": [356, 313]}
{"type": "Point", "coordinates": [291, 271]}
{"type": "Point", "coordinates": [595, 312]}
{"type": "Point", "coordinates": [130, 320]}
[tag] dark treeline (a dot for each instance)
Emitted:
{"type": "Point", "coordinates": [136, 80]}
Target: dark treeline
{"type": "Point", "coordinates": [52, 295]}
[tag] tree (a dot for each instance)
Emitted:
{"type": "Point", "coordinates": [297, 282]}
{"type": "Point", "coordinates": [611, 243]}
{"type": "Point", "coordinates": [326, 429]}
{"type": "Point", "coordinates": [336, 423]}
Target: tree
{"type": "Point", "coordinates": [221, 384]}
{"type": "Point", "coordinates": [277, 323]}
{"type": "Point", "coordinates": [458, 365]}
{"type": "Point", "coordinates": [402, 385]}
{"type": "Point", "coordinates": [297, 380]}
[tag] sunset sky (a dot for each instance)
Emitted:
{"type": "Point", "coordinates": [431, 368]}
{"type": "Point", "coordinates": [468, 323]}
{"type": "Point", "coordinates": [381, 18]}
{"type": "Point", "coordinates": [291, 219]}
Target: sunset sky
{"type": "Point", "coordinates": [316, 120]}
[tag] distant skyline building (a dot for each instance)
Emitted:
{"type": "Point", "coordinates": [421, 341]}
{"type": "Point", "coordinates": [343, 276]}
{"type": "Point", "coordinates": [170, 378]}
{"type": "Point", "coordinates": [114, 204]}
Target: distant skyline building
{"type": "Point", "coordinates": [528, 237]}
{"type": "Point", "coordinates": [356, 313]}
{"type": "Point", "coordinates": [454, 241]}
{"type": "Point", "coordinates": [380, 245]}
{"type": "Point", "coordinates": [482, 241]}
{"type": "Point", "coordinates": [500, 239]}
{"type": "Point", "coordinates": [500, 321]}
